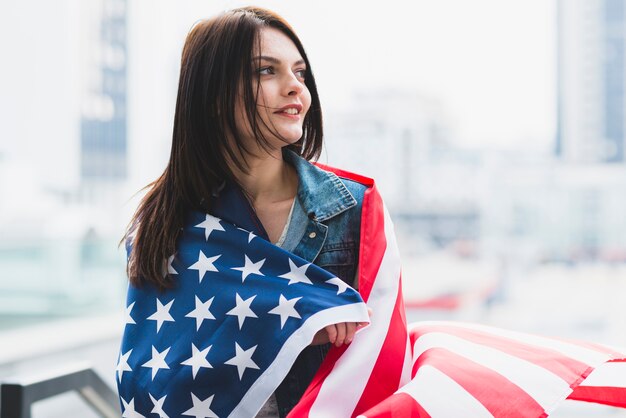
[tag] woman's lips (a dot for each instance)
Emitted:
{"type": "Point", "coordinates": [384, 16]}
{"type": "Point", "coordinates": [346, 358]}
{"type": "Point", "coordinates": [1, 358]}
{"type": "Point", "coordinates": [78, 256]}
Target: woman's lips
{"type": "Point", "coordinates": [287, 115]}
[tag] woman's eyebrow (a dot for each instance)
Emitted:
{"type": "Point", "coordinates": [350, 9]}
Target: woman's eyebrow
{"type": "Point", "coordinates": [275, 60]}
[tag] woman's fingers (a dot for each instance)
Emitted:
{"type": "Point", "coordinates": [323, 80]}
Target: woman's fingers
{"type": "Point", "coordinates": [332, 333]}
{"type": "Point", "coordinates": [341, 334]}
{"type": "Point", "coordinates": [350, 330]}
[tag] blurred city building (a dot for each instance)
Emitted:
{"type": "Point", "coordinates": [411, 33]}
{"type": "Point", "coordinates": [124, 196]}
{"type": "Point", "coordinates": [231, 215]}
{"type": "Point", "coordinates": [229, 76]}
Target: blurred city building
{"type": "Point", "coordinates": [591, 67]}
{"type": "Point", "coordinates": [483, 202]}
{"type": "Point", "coordinates": [61, 216]}
{"type": "Point", "coordinates": [482, 231]}
{"type": "Point", "coordinates": [103, 118]}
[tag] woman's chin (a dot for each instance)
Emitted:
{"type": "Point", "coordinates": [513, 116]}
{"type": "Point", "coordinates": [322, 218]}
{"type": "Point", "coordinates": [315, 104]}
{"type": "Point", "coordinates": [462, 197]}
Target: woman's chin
{"type": "Point", "coordinates": [289, 138]}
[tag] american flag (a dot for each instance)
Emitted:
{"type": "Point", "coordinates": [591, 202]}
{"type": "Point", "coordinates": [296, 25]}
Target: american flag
{"type": "Point", "coordinates": [461, 369]}
{"type": "Point", "coordinates": [223, 339]}
{"type": "Point", "coordinates": [444, 369]}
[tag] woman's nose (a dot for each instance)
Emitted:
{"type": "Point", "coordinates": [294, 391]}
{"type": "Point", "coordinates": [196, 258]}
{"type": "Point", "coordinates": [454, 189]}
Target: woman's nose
{"type": "Point", "coordinates": [293, 86]}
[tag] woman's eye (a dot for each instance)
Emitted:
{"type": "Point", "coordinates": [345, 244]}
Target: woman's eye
{"type": "Point", "coordinates": [301, 73]}
{"type": "Point", "coordinates": [265, 70]}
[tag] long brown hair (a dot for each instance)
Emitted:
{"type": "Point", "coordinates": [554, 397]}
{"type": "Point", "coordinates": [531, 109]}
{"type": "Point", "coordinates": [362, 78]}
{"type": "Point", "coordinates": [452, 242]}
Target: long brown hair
{"type": "Point", "coordinates": [216, 67]}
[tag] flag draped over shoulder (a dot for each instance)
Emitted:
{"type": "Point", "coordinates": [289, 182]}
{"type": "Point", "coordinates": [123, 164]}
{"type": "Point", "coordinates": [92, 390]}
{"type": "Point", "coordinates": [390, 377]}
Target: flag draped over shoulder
{"type": "Point", "coordinates": [221, 341]}
{"type": "Point", "coordinates": [444, 369]}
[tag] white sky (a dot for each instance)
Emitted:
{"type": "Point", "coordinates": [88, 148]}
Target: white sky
{"type": "Point", "coordinates": [491, 62]}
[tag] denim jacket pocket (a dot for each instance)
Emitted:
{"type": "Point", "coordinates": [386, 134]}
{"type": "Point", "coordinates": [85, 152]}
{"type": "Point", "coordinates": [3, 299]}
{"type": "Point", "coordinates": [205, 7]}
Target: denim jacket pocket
{"type": "Point", "coordinates": [339, 259]}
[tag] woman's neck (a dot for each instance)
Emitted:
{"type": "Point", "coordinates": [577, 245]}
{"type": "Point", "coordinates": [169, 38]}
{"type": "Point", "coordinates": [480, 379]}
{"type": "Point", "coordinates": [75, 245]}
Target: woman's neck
{"type": "Point", "coordinates": [269, 179]}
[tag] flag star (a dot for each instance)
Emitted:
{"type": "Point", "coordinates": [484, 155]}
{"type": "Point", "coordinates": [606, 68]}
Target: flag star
{"type": "Point", "coordinates": [210, 224]}
{"type": "Point", "coordinates": [158, 406]}
{"type": "Point", "coordinates": [242, 359]}
{"type": "Point", "coordinates": [197, 359]}
{"type": "Point", "coordinates": [242, 309]}
{"type": "Point", "coordinates": [129, 319]}
{"type": "Point", "coordinates": [204, 264]}
{"type": "Point", "coordinates": [129, 409]}
{"type": "Point", "coordinates": [201, 409]}
{"type": "Point", "coordinates": [162, 314]}
{"type": "Point", "coordinates": [157, 361]}
{"type": "Point", "coordinates": [122, 365]}
{"type": "Point", "coordinates": [297, 274]}
{"type": "Point", "coordinates": [250, 268]}
{"type": "Point", "coordinates": [251, 235]}
{"type": "Point", "coordinates": [170, 268]}
{"type": "Point", "coordinates": [341, 285]}
{"type": "Point", "coordinates": [286, 309]}
{"type": "Point", "coordinates": [201, 312]}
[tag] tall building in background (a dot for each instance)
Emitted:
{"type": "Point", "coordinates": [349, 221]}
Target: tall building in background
{"type": "Point", "coordinates": [591, 73]}
{"type": "Point", "coordinates": [103, 123]}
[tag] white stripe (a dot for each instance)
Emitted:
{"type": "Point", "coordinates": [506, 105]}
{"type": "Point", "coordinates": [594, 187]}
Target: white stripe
{"type": "Point", "coordinates": [607, 374]}
{"type": "Point", "coordinates": [544, 386]}
{"type": "Point", "coordinates": [572, 350]}
{"type": "Point", "coordinates": [267, 383]}
{"type": "Point", "coordinates": [342, 389]}
{"type": "Point", "coordinates": [441, 396]}
{"type": "Point", "coordinates": [408, 364]}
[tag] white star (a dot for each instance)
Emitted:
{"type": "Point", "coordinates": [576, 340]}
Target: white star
{"type": "Point", "coordinates": [341, 285]}
{"type": "Point", "coordinates": [242, 309]}
{"type": "Point", "coordinates": [129, 409]}
{"type": "Point", "coordinates": [162, 314]}
{"type": "Point", "coordinates": [201, 312]}
{"type": "Point", "coordinates": [210, 224]}
{"type": "Point", "coordinates": [170, 268]}
{"type": "Point", "coordinates": [158, 406]}
{"type": "Point", "coordinates": [157, 361]}
{"type": "Point", "coordinates": [250, 268]}
{"type": "Point", "coordinates": [129, 319]}
{"type": "Point", "coordinates": [297, 274]}
{"type": "Point", "coordinates": [122, 365]}
{"type": "Point", "coordinates": [286, 309]}
{"type": "Point", "coordinates": [204, 264]}
{"type": "Point", "coordinates": [201, 409]}
{"type": "Point", "coordinates": [251, 235]}
{"type": "Point", "coordinates": [197, 359]}
{"type": "Point", "coordinates": [243, 359]}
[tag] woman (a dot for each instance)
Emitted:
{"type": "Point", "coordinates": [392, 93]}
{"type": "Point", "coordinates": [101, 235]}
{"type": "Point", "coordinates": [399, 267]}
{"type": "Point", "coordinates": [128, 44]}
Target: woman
{"type": "Point", "coordinates": [247, 123]}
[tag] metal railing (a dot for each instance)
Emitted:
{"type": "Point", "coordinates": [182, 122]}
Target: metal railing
{"type": "Point", "coordinates": [17, 396]}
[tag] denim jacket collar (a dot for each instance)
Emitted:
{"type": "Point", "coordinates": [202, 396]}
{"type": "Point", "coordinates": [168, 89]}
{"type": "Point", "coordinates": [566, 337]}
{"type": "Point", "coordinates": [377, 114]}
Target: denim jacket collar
{"type": "Point", "coordinates": [321, 193]}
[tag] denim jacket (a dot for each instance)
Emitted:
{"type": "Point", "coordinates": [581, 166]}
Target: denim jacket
{"type": "Point", "coordinates": [324, 229]}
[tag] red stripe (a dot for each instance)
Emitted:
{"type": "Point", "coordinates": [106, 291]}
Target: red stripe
{"type": "Point", "coordinates": [371, 251]}
{"type": "Point", "coordinates": [600, 394]}
{"type": "Point", "coordinates": [373, 240]}
{"type": "Point", "coordinates": [385, 377]}
{"type": "Point", "coordinates": [596, 347]}
{"type": "Point", "coordinates": [614, 396]}
{"type": "Point", "coordinates": [487, 386]}
{"type": "Point", "coordinates": [399, 405]}
{"type": "Point", "coordinates": [366, 181]}
{"type": "Point", "coordinates": [570, 370]}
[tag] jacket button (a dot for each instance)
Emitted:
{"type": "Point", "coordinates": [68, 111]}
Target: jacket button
{"type": "Point", "coordinates": [312, 235]}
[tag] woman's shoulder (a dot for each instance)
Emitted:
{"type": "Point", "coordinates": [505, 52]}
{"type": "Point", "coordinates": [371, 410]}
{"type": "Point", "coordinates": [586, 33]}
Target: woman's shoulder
{"type": "Point", "coordinates": [356, 184]}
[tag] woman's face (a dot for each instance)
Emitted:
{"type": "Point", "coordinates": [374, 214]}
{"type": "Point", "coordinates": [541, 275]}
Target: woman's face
{"type": "Point", "coordinates": [283, 98]}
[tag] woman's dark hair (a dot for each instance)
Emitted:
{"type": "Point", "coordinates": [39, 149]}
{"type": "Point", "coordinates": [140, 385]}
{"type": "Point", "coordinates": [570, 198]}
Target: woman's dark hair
{"type": "Point", "coordinates": [216, 68]}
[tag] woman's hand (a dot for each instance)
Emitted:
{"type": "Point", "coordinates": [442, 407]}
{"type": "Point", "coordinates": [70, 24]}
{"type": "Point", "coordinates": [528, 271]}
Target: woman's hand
{"type": "Point", "coordinates": [340, 333]}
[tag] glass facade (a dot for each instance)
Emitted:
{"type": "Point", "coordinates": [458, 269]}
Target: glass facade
{"type": "Point", "coordinates": [104, 131]}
